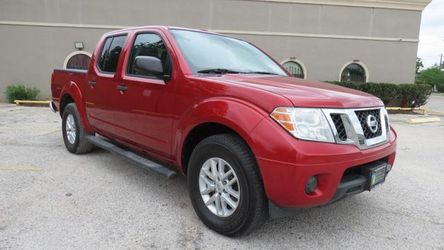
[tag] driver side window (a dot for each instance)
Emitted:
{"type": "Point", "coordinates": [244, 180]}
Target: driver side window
{"type": "Point", "coordinates": [149, 44]}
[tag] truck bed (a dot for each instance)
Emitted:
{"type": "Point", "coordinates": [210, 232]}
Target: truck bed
{"type": "Point", "coordinates": [62, 77]}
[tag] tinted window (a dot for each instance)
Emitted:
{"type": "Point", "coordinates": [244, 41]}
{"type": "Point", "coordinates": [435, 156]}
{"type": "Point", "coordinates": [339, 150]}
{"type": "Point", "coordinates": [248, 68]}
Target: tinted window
{"type": "Point", "coordinates": [149, 45]}
{"type": "Point", "coordinates": [110, 53]}
{"type": "Point", "coordinates": [105, 49]}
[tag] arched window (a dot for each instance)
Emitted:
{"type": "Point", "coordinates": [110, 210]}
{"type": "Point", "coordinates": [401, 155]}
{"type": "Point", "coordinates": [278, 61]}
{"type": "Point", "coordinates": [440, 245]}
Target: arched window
{"type": "Point", "coordinates": [295, 68]}
{"type": "Point", "coordinates": [354, 72]}
{"type": "Point", "coordinates": [77, 60]}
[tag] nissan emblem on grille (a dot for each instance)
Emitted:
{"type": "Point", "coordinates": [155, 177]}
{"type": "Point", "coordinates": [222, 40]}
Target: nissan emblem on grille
{"type": "Point", "coordinates": [372, 123]}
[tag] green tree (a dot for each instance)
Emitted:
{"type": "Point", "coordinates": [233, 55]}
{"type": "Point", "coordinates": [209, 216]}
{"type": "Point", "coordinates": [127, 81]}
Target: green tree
{"type": "Point", "coordinates": [419, 65]}
{"type": "Point", "coordinates": [432, 76]}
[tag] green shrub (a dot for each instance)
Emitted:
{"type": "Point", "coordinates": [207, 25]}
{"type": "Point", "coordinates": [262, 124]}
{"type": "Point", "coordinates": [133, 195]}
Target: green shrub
{"type": "Point", "coordinates": [388, 93]}
{"type": "Point", "coordinates": [415, 95]}
{"type": "Point", "coordinates": [20, 92]}
{"type": "Point", "coordinates": [394, 95]}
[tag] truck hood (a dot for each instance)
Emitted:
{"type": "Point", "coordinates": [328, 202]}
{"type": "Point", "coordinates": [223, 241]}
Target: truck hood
{"type": "Point", "coordinates": [304, 93]}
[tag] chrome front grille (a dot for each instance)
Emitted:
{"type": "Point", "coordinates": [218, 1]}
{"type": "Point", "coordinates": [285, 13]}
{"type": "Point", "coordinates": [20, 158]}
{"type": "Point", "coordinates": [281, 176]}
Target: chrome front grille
{"type": "Point", "coordinates": [339, 125]}
{"type": "Point", "coordinates": [363, 115]}
{"type": "Point", "coordinates": [365, 128]}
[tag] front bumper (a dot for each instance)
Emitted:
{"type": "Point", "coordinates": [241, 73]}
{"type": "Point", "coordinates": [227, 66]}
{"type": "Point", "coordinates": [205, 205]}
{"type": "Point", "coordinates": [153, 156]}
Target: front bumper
{"type": "Point", "coordinates": [286, 164]}
{"type": "Point", "coordinates": [352, 183]}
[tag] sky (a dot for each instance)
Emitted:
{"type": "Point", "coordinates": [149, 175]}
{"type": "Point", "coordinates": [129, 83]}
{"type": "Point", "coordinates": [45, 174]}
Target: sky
{"type": "Point", "coordinates": [431, 37]}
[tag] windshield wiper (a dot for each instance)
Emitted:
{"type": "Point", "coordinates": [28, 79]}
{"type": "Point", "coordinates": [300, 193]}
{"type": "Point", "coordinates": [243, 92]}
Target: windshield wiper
{"type": "Point", "coordinates": [260, 72]}
{"type": "Point", "coordinates": [218, 71]}
{"type": "Point", "coordinates": [230, 71]}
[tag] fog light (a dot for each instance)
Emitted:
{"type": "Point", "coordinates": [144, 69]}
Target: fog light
{"type": "Point", "coordinates": [389, 168]}
{"type": "Point", "coordinates": [311, 185]}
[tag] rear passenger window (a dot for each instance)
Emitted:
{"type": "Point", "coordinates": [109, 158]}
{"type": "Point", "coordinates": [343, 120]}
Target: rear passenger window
{"type": "Point", "coordinates": [149, 44]}
{"type": "Point", "coordinates": [110, 53]}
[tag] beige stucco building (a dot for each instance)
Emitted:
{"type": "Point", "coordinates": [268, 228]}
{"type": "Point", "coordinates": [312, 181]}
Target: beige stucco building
{"type": "Point", "coordinates": [317, 38]}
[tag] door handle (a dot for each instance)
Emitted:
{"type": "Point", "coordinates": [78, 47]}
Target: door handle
{"type": "Point", "coordinates": [92, 83]}
{"type": "Point", "coordinates": [122, 88]}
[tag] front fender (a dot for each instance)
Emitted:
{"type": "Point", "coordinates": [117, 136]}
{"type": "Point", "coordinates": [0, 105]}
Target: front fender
{"type": "Point", "coordinates": [73, 90]}
{"type": "Point", "coordinates": [238, 115]}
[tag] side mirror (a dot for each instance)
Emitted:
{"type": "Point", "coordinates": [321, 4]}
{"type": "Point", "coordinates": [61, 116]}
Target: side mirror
{"type": "Point", "coordinates": [148, 65]}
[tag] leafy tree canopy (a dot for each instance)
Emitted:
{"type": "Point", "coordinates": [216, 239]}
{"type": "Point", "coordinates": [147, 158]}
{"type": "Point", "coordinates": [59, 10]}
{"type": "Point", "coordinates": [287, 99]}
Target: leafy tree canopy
{"type": "Point", "coordinates": [432, 76]}
{"type": "Point", "coordinates": [419, 65]}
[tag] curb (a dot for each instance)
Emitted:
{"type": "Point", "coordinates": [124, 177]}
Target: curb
{"type": "Point", "coordinates": [31, 103]}
{"type": "Point", "coordinates": [423, 120]}
{"type": "Point", "coordinates": [423, 110]}
{"type": "Point", "coordinates": [435, 112]}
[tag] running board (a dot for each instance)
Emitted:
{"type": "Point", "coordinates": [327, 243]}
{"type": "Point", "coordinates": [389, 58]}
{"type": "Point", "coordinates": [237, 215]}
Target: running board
{"type": "Point", "coordinates": [135, 158]}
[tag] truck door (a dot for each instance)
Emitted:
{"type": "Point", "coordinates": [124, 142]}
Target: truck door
{"type": "Point", "coordinates": [101, 94]}
{"type": "Point", "coordinates": [146, 102]}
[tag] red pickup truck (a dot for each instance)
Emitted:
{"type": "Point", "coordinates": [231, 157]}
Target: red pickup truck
{"type": "Point", "coordinates": [249, 137]}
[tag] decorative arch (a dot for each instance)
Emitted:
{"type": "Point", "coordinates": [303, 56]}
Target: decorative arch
{"type": "Point", "coordinates": [299, 63]}
{"type": "Point", "coordinates": [73, 56]}
{"type": "Point", "coordinates": [358, 63]}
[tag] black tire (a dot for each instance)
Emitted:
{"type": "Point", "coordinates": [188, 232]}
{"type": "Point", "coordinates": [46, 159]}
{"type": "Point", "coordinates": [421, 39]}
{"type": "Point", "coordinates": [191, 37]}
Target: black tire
{"type": "Point", "coordinates": [252, 209]}
{"type": "Point", "coordinates": [80, 144]}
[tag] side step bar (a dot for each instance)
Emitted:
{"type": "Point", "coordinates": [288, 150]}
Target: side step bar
{"type": "Point", "coordinates": [135, 158]}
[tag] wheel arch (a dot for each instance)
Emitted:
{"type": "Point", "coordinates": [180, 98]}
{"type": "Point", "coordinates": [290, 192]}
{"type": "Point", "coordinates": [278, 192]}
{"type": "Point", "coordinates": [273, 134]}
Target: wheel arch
{"type": "Point", "coordinates": [65, 100]}
{"type": "Point", "coordinates": [215, 117]}
{"type": "Point", "coordinates": [71, 94]}
{"type": "Point", "coordinates": [199, 133]}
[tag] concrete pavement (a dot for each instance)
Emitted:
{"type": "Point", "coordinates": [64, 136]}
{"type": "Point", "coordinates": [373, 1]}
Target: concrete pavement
{"type": "Point", "coordinates": [51, 199]}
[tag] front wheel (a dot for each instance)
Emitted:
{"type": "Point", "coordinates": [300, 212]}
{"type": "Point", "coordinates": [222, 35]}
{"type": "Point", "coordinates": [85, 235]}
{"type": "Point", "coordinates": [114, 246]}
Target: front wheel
{"type": "Point", "coordinates": [225, 186]}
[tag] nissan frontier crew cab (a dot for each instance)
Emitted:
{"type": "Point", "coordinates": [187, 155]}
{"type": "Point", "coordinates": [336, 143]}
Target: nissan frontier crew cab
{"type": "Point", "coordinates": [246, 134]}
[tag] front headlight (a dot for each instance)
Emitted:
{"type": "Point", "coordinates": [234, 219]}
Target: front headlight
{"type": "Point", "coordinates": [304, 123]}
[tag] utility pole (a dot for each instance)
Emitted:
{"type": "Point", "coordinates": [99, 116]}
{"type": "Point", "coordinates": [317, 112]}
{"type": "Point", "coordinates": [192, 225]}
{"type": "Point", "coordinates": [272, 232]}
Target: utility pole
{"type": "Point", "coordinates": [441, 65]}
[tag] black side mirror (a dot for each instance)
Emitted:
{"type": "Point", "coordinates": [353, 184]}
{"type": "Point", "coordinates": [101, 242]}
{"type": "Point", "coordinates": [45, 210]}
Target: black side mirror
{"type": "Point", "coordinates": [149, 65]}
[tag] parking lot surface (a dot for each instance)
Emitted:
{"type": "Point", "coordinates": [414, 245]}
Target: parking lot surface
{"type": "Point", "coordinates": [51, 199]}
{"type": "Point", "coordinates": [436, 103]}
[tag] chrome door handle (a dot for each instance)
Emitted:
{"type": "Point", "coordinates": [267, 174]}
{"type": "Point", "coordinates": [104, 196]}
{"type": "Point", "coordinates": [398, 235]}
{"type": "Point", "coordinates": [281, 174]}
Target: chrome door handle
{"type": "Point", "coordinates": [122, 88]}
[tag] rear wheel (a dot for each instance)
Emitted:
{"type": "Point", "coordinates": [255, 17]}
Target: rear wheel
{"type": "Point", "coordinates": [225, 186]}
{"type": "Point", "coordinates": [74, 135]}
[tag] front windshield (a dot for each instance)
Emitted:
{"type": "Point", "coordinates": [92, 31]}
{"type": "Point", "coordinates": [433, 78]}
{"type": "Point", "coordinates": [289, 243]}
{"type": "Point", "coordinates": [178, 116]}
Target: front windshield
{"type": "Point", "coordinates": [212, 53]}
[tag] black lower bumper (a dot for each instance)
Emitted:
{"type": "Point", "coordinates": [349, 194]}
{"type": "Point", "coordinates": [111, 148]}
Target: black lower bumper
{"type": "Point", "coordinates": [350, 185]}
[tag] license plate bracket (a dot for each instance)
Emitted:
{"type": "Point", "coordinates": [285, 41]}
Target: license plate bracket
{"type": "Point", "coordinates": [375, 174]}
